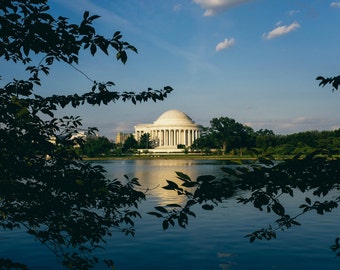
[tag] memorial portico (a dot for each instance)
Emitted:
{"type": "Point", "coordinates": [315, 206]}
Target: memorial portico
{"type": "Point", "coordinates": [171, 129]}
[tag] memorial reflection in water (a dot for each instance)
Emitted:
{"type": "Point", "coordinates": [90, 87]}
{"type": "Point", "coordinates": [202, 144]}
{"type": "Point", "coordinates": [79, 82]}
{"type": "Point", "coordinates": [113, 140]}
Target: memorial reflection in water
{"type": "Point", "coordinates": [216, 239]}
{"type": "Point", "coordinates": [213, 240]}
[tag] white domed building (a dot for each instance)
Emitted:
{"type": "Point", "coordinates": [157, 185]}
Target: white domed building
{"type": "Point", "coordinates": [171, 130]}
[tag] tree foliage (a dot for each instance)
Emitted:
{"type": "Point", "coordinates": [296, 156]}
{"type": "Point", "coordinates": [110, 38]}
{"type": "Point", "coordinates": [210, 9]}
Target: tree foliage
{"type": "Point", "coordinates": [334, 81]}
{"type": "Point", "coordinates": [70, 205]}
{"type": "Point", "coordinates": [97, 146]}
{"type": "Point", "coordinates": [130, 144]}
{"type": "Point", "coordinates": [265, 142]}
{"type": "Point", "coordinates": [267, 184]}
{"type": "Point", "coordinates": [145, 142]}
{"type": "Point", "coordinates": [205, 141]}
{"type": "Point", "coordinates": [227, 134]}
{"type": "Point", "coordinates": [45, 188]}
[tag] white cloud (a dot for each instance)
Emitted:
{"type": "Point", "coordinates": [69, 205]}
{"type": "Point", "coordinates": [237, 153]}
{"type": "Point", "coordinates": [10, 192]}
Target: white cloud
{"type": "Point", "coordinates": [281, 30]}
{"type": "Point", "coordinates": [213, 7]}
{"type": "Point", "coordinates": [227, 43]}
{"type": "Point", "coordinates": [335, 4]}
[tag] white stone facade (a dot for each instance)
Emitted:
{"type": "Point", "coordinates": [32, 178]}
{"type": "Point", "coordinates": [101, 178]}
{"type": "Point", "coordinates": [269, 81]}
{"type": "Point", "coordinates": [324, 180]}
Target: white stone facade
{"type": "Point", "coordinates": [171, 129]}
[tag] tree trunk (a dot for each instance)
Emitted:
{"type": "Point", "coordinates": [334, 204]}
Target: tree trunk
{"type": "Point", "coordinates": [224, 148]}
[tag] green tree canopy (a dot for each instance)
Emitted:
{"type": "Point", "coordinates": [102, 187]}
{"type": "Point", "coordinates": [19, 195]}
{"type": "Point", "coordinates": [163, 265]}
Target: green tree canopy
{"type": "Point", "coordinates": [229, 134]}
{"type": "Point", "coordinates": [130, 144]}
{"type": "Point", "coordinates": [96, 146]}
{"type": "Point", "coordinates": [144, 141]}
{"type": "Point", "coordinates": [204, 141]}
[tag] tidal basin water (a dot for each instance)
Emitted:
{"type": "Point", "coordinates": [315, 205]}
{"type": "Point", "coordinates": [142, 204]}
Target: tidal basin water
{"type": "Point", "coordinates": [213, 240]}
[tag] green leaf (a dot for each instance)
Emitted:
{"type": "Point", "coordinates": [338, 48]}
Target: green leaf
{"type": "Point", "coordinates": [189, 184]}
{"type": "Point", "coordinates": [229, 171]}
{"type": "Point", "coordinates": [93, 17]}
{"type": "Point", "coordinates": [86, 15]}
{"type": "Point", "coordinates": [171, 185]}
{"type": "Point", "coordinates": [174, 205]}
{"type": "Point", "coordinates": [183, 176]}
{"type": "Point", "coordinates": [172, 222]}
{"type": "Point", "coordinates": [165, 225]}
{"type": "Point", "coordinates": [190, 203]}
{"type": "Point", "coordinates": [161, 209]}
{"type": "Point", "coordinates": [208, 207]}
{"type": "Point", "coordinates": [48, 112]}
{"type": "Point", "coordinates": [12, 17]}
{"type": "Point", "coordinates": [296, 223]}
{"type": "Point", "coordinates": [252, 239]}
{"type": "Point", "coordinates": [205, 178]}
{"type": "Point", "coordinates": [93, 49]}
{"type": "Point", "coordinates": [122, 56]}
{"type": "Point", "coordinates": [155, 214]}
{"type": "Point", "coordinates": [278, 209]}
{"type": "Point", "coordinates": [26, 49]}
{"type": "Point", "coordinates": [103, 46]}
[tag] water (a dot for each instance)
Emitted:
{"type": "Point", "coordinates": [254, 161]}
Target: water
{"type": "Point", "coordinates": [213, 240]}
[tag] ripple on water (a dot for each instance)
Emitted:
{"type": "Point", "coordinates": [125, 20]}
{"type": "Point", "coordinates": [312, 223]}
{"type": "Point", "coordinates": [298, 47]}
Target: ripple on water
{"type": "Point", "coordinates": [214, 240]}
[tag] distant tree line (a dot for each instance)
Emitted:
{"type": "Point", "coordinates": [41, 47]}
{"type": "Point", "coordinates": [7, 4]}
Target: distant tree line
{"type": "Point", "coordinates": [230, 137]}
{"type": "Point", "coordinates": [95, 146]}
{"type": "Point", "coordinates": [225, 136]}
{"type": "Point", "coordinates": [101, 146]}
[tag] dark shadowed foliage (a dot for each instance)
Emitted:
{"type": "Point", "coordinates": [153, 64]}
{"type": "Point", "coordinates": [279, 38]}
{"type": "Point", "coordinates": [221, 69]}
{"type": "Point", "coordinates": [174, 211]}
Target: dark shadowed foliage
{"type": "Point", "coordinates": [268, 184]}
{"type": "Point", "coordinates": [70, 205]}
{"type": "Point", "coordinates": [45, 188]}
{"type": "Point", "coordinates": [334, 81]}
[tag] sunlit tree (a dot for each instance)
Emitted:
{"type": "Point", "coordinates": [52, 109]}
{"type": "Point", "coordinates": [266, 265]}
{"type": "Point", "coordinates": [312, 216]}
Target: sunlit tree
{"type": "Point", "coordinates": [228, 133]}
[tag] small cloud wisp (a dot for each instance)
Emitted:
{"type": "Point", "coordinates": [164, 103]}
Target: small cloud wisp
{"type": "Point", "coordinates": [214, 7]}
{"type": "Point", "coordinates": [281, 30]}
{"type": "Point", "coordinates": [227, 43]}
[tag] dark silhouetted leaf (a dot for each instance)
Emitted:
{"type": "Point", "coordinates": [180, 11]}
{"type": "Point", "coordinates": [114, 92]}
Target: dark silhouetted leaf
{"type": "Point", "coordinates": [155, 214]}
{"type": "Point", "coordinates": [183, 177]}
{"type": "Point", "coordinates": [189, 184]}
{"type": "Point", "coordinates": [161, 209]}
{"type": "Point", "coordinates": [205, 178]}
{"type": "Point", "coordinates": [165, 224]}
{"type": "Point", "coordinates": [208, 207]}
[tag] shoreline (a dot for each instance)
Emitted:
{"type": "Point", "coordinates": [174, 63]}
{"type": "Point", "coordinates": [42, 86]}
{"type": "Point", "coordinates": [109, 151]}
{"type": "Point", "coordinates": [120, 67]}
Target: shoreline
{"type": "Point", "coordinates": [184, 157]}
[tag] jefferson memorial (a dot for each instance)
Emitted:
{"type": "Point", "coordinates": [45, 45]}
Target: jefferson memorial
{"type": "Point", "coordinates": [171, 129]}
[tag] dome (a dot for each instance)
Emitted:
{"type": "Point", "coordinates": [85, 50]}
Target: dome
{"type": "Point", "coordinates": [174, 117]}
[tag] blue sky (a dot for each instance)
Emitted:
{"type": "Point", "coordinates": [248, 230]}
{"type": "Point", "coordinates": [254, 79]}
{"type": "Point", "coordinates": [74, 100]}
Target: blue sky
{"type": "Point", "coordinates": [251, 60]}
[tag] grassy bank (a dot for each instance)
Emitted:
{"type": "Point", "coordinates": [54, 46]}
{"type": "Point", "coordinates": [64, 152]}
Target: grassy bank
{"type": "Point", "coordinates": [174, 156]}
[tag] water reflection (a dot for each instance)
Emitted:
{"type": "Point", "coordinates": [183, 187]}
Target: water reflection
{"type": "Point", "coordinates": [216, 239]}
{"type": "Point", "coordinates": [213, 240]}
{"type": "Point", "coordinates": [153, 174]}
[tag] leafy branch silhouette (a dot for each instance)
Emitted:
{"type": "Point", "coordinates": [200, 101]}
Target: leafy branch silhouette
{"type": "Point", "coordinates": [264, 183]}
